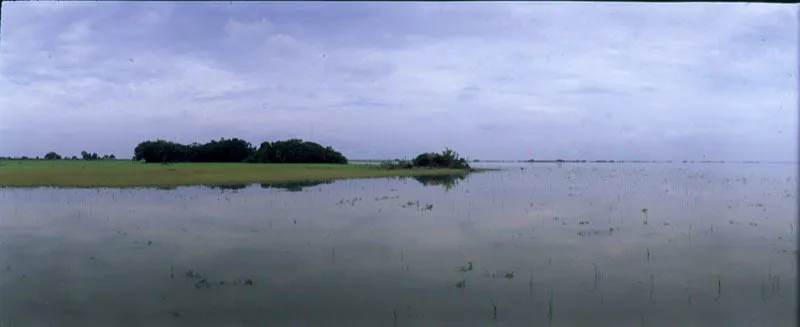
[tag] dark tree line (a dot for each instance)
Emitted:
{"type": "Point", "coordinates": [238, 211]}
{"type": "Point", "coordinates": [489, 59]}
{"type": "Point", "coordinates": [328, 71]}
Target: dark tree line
{"type": "Point", "coordinates": [55, 156]}
{"type": "Point", "coordinates": [224, 150]}
{"type": "Point", "coordinates": [237, 150]}
{"type": "Point", "coordinates": [296, 151]}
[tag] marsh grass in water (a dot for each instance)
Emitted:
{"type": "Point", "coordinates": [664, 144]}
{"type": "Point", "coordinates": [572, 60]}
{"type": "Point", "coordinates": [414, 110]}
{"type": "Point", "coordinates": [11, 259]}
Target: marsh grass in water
{"type": "Point", "coordinates": [507, 274]}
{"type": "Point", "coordinates": [770, 286]}
{"type": "Point", "coordinates": [466, 268]}
{"type": "Point", "coordinates": [125, 173]}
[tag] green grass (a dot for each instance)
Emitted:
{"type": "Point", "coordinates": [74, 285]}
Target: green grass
{"type": "Point", "coordinates": [124, 173]}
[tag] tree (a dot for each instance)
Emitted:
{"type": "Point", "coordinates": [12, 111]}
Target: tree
{"type": "Point", "coordinates": [52, 156]}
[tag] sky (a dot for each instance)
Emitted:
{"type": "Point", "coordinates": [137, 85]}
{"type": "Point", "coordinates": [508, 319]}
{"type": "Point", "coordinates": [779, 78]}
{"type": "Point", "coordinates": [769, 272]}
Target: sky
{"type": "Point", "coordinates": [384, 80]}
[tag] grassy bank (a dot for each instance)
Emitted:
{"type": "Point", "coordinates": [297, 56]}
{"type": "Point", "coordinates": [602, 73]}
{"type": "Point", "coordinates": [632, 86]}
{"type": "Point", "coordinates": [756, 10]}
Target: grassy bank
{"type": "Point", "coordinates": [123, 173]}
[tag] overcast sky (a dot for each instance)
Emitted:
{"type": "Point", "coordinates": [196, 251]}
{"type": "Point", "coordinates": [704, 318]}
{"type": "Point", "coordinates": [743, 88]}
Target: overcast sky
{"type": "Point", "coordinates": [384, 80]}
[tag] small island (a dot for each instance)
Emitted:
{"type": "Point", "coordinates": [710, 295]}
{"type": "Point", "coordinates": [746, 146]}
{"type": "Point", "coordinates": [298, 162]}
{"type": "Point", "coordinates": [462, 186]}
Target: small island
{"type": "Point", "coordinates": [233, 161]}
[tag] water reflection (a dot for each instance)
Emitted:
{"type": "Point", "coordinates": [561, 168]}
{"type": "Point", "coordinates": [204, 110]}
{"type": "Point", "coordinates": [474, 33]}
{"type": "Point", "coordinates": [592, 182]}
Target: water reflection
{"type": "Point", "coordinates": [446, 181]}
{"type": "Point", "coordinates": [292, 186]}
{"type": "Point", "coordinates": [295, 186]}
{"type": "Point", "coordinates": [228, 187]}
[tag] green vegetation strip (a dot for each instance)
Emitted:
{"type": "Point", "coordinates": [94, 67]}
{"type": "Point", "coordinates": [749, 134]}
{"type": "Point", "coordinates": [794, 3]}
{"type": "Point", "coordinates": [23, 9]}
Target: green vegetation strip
{"type": "Point", "coordinates": [119, 173]}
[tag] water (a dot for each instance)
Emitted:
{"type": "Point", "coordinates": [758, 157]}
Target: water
{"type": "Point", "coordinates": [558, 245]}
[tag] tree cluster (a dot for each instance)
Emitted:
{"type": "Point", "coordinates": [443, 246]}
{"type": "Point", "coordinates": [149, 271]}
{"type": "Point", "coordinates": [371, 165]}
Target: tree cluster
{"type": "Point", "coordinates": [237, 150]}
{"type": "Point", "coordinates": [224, 150]}
{"type": "Point", "coordinates": [446, 159]}
{"type": "Point", "coordinates": [296, 151]}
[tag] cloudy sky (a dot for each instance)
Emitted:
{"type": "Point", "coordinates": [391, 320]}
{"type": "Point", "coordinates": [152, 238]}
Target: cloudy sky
{"type": "Point", "coordinates": [385, 80]}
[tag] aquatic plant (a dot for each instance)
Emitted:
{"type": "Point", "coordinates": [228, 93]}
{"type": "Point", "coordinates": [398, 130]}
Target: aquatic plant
{"type": "Point", "coordinates": [644, 210]}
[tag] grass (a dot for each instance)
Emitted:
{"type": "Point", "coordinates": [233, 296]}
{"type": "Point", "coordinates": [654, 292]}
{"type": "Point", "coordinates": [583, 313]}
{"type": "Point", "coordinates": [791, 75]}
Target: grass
{"type": "Point", "coordinates": [124, 173]}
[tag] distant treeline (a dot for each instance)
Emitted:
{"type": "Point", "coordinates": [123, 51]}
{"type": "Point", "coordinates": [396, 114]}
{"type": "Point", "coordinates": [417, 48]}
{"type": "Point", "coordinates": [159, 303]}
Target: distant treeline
{"type": "Point", "coordinates": [238, 150]}
{"type": "Point", "coordinates": [638, 161]}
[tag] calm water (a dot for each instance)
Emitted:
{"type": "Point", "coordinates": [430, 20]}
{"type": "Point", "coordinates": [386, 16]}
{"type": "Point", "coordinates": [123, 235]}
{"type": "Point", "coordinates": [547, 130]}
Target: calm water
{"type": "Point", "coordinates": [559, 245]}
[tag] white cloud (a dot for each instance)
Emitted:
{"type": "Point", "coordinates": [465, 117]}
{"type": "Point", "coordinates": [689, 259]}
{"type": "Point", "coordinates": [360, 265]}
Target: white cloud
{"type": "Point", "coordinates": [549, 77]}
{"type": "Point", "coordinates": [238, 29]}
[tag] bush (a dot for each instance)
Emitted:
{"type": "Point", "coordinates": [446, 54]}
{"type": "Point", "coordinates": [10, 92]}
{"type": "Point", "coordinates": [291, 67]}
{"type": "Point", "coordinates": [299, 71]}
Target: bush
{"type": "Point", "coordinates": [447, 159]}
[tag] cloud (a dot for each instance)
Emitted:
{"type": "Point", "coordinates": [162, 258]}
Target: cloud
{"type": "Point", "coordinates": [508, 80]}
{"type": "Point", "coordinates": [237, 29]}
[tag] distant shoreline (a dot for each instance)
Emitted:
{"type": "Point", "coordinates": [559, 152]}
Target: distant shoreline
{"type": "Point", "coordinates": [611, 161]}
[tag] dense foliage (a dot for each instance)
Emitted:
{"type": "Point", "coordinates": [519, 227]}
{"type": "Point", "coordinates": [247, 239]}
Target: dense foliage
{"type": "Point", "coordinates": [446, 159]}
{"type": "Point", "coordinates": [296, 151]}
{"type": "Point", "coordinates": [237, 150]}
{"type": "Point", "coordinates": [52, 156]}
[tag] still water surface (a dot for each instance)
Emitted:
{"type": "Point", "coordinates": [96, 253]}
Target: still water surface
{"type": "Point", "coordinates": [531, 245]}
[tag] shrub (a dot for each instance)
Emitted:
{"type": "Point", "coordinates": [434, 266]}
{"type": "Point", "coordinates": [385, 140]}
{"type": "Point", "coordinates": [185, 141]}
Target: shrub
{"type": "Point", "coordinates": [446, 159]}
